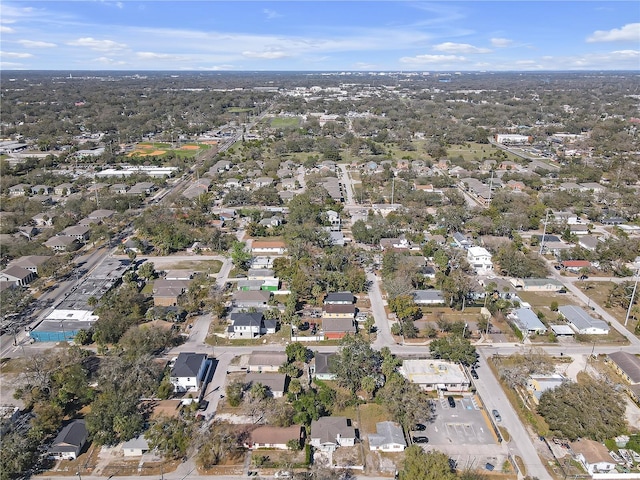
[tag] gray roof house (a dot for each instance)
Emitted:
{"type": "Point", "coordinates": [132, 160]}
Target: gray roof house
{"type": "Point", "coordinates": [582, 322]}
{"type": "Point", "coordinates": [527, 321]}
{"type": "Point", "coordinates": [189, 371]}
{"type": "Point", "coordinates": [339, 298]}
{"type": "Point", "coordinates": [275, 382]}
{"type": "Point", "coordinates": [70, 441]}
{"type": "Point", "coordinates": [250, 325]}
{"type": "Point", "coordinates": [79, 232]}
{"type": "Point", "coordinates": [249, 299]}
{"type": "Point", "coordinates": [388, 438]}
{"type": "Point", "coordinates": [61, 243]}
{"type": "Point", "coordinates": [329, 433]}
{"type": "Point", "coordinates": [266, 361]}
{"type": "Point", "coordinates": [17, 275]}
{"type": "Point", "coordinates": [428, 297]}
{"type": "Point", "coordinates": [320, 368]}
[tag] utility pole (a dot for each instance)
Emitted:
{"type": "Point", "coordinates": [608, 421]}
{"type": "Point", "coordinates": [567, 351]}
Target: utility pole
{"type": "Point", "coordinates": [633, 295]}
{"type": "Point", "coordinates": [544, 232]}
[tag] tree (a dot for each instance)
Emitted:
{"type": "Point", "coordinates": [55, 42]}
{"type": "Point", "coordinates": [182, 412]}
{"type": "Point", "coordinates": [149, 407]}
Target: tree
{"type": "Point", "coordinates": [147, 270]}
{"type": "Point", "coordinates": [170, 436]}
{"type": "Point", "coordinates": [355, 351]}
{"type": "Point", "coordinates": [419, 465]}
{"type": "Point", "coordinates": [405, 401]}
{"type": "Point", "coordinates": [239, 256]}
{"type": "Point", "coordinates": [587, 408]}
{"type": "Point", "coordinates": [297, 352]}
{"type": "Point", "coordinates": [234, 393]}
{"type": "Point", "coordinates": [404, 307]}
{"type": "Point", "coordinates": [454, 348]}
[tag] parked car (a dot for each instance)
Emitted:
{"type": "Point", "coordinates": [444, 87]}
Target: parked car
{"type": "Point", "coordinates": [419, 427]}
{"type": "Point", "coordinates": [583, 277]}
{"type": "Point", "coordinates": [420, 439]}
{"type": "Point", "coordinates": [496, 415]}
{"type": "Point", "coordinates": [474, 374]}
{"type": "Point", "coordinates": [452, 402]}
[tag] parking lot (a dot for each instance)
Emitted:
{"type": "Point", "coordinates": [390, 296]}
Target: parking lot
{"type": "Point", "coordinates": [454, 429]}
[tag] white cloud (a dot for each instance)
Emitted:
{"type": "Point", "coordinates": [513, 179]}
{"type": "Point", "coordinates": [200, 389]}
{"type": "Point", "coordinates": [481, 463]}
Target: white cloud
{"type": "Point", "coordinates": [94, 44]}
{"type": "Point", "coordinates": [216, 68]}
{"type": "Point", "coordinates": [269, 55]}
{"type": "Point", "coordinates": [15, 55]}
{"type": "Point", "coordinates": [11, 65]}
{"type": "Point", "coordinates": [628, 33]}
{"type": "Point", "coordinates": [365, 66]}
{"type": "Point", "coordinates": [421, 59]}
{"type": "Point", "coordinates": [161, 56]}
{"type": "Point", "coordinates": [36, 44]}
{"type": "Point", "coordinates": [108, 61]}
{"type": "Point", "coordinates": [501, 42]}
{"type": "Point", "coordinates": [271, 14]}
{"type": "Point", "coordinates": [5, 29]}
{"type": "Point", "coordinates": [459, 48]}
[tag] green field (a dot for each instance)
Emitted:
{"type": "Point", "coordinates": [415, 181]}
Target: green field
{"type": "Point", "coordinates": [476, 151]}
{"type": "Point", "coordinates": [285, 122]}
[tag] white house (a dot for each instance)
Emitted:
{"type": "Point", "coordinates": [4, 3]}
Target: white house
{"type": "Point", "coordinates": [430, 374]}
{"type": "Point", "coordinates": [70, 441]}
{"type": "Point", "coordinates": [136, 447]}
{"type": "Point", "coordinates": [527, 321]}
{"type": "Point", "coordinates": [594, 456]}
{"type": "Point", "coordinates": [188, 372]}
{"type": "Point", "coordinates": [480, 260]}
{"type": "Point", "coordinates": [388, 438]}
{"type": "Point", "coordinates": [329, 433]}
{"type": "Point", "coordinates": [278, 438]}
{"type": "Point", "coordinates": [582, 322]}
{"type": "Point", "coordinates": [266, 247]}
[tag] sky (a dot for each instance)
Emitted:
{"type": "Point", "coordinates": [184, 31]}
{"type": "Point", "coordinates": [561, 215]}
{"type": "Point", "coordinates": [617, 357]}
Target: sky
{"type": "Point", "coordinates": [391, 35]}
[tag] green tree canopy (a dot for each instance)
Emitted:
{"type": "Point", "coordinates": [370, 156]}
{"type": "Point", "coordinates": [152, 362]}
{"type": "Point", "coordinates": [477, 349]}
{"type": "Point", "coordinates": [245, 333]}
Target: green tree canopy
{"type": "Point", "coordinates": [454, 348]}
{"type": "Point", "coordinates": [421, 465]}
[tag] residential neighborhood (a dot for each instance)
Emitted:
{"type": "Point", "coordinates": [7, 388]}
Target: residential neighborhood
{"type": "Point", "coordinates": [321, 277]}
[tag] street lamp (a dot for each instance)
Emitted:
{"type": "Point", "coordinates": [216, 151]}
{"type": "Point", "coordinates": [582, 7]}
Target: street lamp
{"type": "Point", "coordinates": [64, 334]}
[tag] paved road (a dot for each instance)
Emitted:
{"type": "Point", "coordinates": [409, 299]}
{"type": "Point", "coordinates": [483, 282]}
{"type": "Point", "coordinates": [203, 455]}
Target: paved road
{"type": "Point", "coordinates": [383, 330]}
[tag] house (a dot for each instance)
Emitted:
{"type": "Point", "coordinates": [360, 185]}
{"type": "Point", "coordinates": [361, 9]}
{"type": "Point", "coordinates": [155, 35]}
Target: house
{"type": "Point", "coordinates": [339, 298]}
{"type": "Point", "coordinates": [512, 139]}
{"type": "Point", "coordinates": [461, 240]}
{"type": "Point", "coordinates": [251, 299]}
{"type": "Point", "coordinates": [167, 296]}
{"type": "Point", "coordinates": [593, 456]}
{"type": "Point", "coordinates": [433, 374]}
{"type": "Point", "coordinates": [41, 190]}
{"type": "Point", "coordinates": [42, 220]}
{"type": "Point", "coordinates": [389, 437]}
{"type": "Point", "coordinates": [537, 384]}
{"type": "Point", "coordinates": [268, 247]}
{"type": "Point", "coordinates": [333, 218]}
{"type": "Point", "coordinates": [275, 382]}
{"type": "Point", "coordinates": [575, 266]}
{"type": "Point", "coordinates": [142, 188]}
{"type": "Point", "coordinates": [260, 274]}
{"type": "Point", "coordinates": [63, 189]}
{"type": "Point", "coordinates": [263, 182]}
{"type": "Point", "coordinates": [320, 366]}
{"type": "Point", "coordinates": [70, 441]}
{"type": "Point", "coordinates": [189, 371]}
{"type": "Point", "coordinates": [79, 232]}
{"type": "Point", "coordinates": [480, 260]}
{"type": "Point", "coordinates": [538, 284]}
{"type": "Point", "coordinates": [338, 311]}
{"type": "Point", "coordinates": [278, 438]}
{"type": "Point", "coordinates": [17, 275]}
{"type": "Point", "coordinates": [119, 188]}
{"type": "Point", "coordinates": [582, 322]}
{"type": "Point", "coordinates": [101, 214]}
{"type": "Point", "coordinates": [62, 244]}
{"type": "Point", "coordinates": [527, 321]}
{"type": "Point", "coordinates": [337, 328]}
{"type": "Point", "coordinates": [250, 325]}
{"type": "Point", "coordinates": [399, 243]}
{"type": "Point", "coordinates": [30, 262]}
{"type": "Point", "coordinates": [136, 447]}
{"type": "Point", "coordinates": [19, 190]}
{"type": "Point", "coordinates": [197, 188]}
{"type": "Point", "coordinates": [266, 361]}
{"type": "Point", "coordinates": [428, 297]}
{"type": "Point", "coordinates": [329, 433]}
{"type": "Point", "coordinates": [626, 365]}
{"type": "Point", "coordinates": [588, 242]}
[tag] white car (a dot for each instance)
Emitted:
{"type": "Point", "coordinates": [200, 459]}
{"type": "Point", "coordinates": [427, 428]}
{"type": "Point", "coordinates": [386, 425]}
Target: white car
{"type": "Point", "coordinates": [282, 474]}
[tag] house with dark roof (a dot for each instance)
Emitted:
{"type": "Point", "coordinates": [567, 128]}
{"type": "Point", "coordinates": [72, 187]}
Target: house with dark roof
{"type": "Point", "coordinates": [70, 441]}
{"type": "Point", "coordinates": [250, 325]}
{"type": "Point", "coordinates": [329, 433]}
{"type": "Point", "coordinates": [338, 311]}
{"type": "Point", "coordinates": [339, 298]}
{"type": "Point", "coordinates": [189, 371]}
{"type": "Point", "coordinates": [17, 275]}
{"type": "Point", "coordinates": [79, 232]}
{"type": "Point", "coordinates": [320, 367]}
{"type": "Point", "coordinates": [389, 437]}
{"type": "Point", "coordinates": [60, 243]}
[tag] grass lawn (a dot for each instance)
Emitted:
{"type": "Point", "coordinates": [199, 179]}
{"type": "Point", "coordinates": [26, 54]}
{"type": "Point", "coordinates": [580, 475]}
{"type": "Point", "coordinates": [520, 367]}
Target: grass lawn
{"type": "Point", "coordinates": [476, 150]}
{"type": "Point", "coordinates": [209, 266]}
{"type": "Point", "coordinates": [285, 122]}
